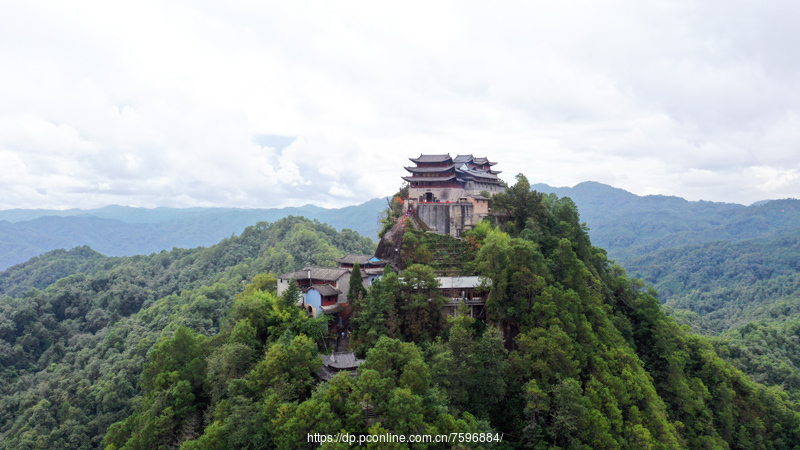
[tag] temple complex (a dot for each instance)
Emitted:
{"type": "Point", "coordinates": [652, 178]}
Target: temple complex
{"type": "Point", "coordinates": [324, 289]}
{"type": "Point", "coordinates": [449, 194]}
{"type": "Point", "coordinates": [440, 178]}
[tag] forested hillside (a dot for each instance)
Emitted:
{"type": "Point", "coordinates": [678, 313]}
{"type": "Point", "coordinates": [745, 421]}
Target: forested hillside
{"type": "Point", "coordinates": [71, 354]}
{"type": "Point", "coordinates": [125, 231]}
{"type": "Point", "coordinates": [728, 271]}
{"type": "Point", "coordinates": [746, 293]}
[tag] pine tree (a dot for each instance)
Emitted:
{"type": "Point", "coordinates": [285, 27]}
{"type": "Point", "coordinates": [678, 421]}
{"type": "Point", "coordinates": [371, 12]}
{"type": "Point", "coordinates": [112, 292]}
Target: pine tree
{"type": "Point", "coordinates": [357, 291]}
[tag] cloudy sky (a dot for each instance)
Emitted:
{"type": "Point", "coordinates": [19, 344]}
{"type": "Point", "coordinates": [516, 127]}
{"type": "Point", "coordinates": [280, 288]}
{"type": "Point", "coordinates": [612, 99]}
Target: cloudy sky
{"type": "Point", "coordinates": [264, 104]}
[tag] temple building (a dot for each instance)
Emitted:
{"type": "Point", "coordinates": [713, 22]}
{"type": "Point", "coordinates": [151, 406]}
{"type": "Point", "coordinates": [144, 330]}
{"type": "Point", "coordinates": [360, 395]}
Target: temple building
{"type": "Point", "coordinates": [324, 289]}
{"type": "Point", "coordinates": [440, 178]}
{"type": "Point", "coordinates": [449, 194]}
{"type": "Point", "coordinates": [471, 290]}
{"type": "Point", "coordinates": [368, 264]}
{"type": "Point", "coordinates": [338, 362]}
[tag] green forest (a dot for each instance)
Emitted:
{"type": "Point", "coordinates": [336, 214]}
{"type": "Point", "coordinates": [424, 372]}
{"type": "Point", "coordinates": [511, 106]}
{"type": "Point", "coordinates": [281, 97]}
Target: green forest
{"type": "Point", "coordinates": [193, 349]}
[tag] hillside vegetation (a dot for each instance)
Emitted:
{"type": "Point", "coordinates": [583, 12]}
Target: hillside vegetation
{"type": "Point", "coordinates": [728, 271]}
{"type": "Point", "coordinates": [72, 353]}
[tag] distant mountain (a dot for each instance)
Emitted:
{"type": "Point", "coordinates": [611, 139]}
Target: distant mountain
{"type": "Point", "coordinates": [124, 231]}
{"type": "Point", "coordinates": [43, 270]}
{"type": "Point", "coordinates": [630, 226]}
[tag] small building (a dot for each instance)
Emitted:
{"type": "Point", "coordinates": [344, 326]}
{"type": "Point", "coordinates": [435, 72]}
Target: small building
{"type": "Point", "coordinates": [480, 204]}
{"type": "Point", "coordinates": [324, 289]}
{"type": "Point", "coordinates": [338, 362]}
{"type": "Point", "coordinates": [471, 290]}
{"type": "Point", "coordinates": [371, 265]}
{"type": "Point", "coordinates": [322, 297]}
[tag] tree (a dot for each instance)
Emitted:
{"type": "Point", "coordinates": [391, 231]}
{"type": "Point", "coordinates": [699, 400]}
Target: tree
{"type": "Point", "coordinates": [172, 380]}
{"type": "Point", "coordinates": [376, 315]}
{"type": "Point", "coordinates": [357, 291]}
{"type": "Point", "coordinates": [520, 202]}
{"type": "Point", "coordinates": [420, 303]}
{"type": "Point", "coordinates": [288, 369]}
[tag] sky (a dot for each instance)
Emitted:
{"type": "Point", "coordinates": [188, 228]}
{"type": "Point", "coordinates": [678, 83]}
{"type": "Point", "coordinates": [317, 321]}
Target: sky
{"type": "Point", "coordinates": [270, 104]}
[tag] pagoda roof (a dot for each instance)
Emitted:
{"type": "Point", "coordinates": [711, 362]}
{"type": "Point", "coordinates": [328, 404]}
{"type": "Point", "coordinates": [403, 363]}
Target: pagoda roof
{"type": "Point", "coordinates": [482, 161]}
{"type": "Point", "coordinates": [463, 159]}
{"type": "Point", "coordinates": [431, 158]}
{"type": "Point", "coordinates": [478, 173]}
{"type": "Point", "coordinates": [430, 169]}
{"type": "Point", "coordinates": [447, 178]}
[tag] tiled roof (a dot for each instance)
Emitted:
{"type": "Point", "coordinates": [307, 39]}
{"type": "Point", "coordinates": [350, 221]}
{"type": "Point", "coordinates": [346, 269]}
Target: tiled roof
{"type": "Point", "coordinates": [477, 172]}
{"type": "Point", "coordinates": [430, 179]}
{"type": "Point", "coordinates": [316, 273]}
{"type": "Point", "coordinates": [464, 165]}
{"type": "Point", "coordinates": [326, 290]}
{"type": "Point", "coordinates": [332, 309]}
{"type": "Point", "coordinates": [352, 259]}
{"type": "Point", "coordinates": [342, 361]}
{"type": "Point", "coordinates": [326, 374]}
{"type": "Point", "coordinates": [460, 282]}
{"type": "Point", "coordinates": [431, 158]}
{"type": "Point", "coordinates": [430, 169]}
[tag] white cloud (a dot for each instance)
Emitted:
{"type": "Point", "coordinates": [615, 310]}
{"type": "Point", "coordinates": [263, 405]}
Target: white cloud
{"type": "Point", "coordinates": [152, 104]}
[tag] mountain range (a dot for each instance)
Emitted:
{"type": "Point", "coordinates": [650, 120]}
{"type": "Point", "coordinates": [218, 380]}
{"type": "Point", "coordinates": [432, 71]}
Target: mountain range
{"type": "Point", "coordinates": [126, 231]}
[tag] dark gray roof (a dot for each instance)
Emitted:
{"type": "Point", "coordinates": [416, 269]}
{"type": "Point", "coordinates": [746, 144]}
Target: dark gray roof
{"type": "Point", "coordinates": [317, 273]}
{"type": "Point", "coordinates": [342, 361]}
{"type": "Point", "coordinates": [326, 373]}
{"type": "Point", "coordinates": [488, 174]}
{"type": "Point", "coordinates": [462, 282]}
{"type": "Point", "coordinates": [429, 178]}
{"type": "Point", "coordinates": [333, 309]}
{"type": "Point", "coordinates": [326, 289]}
{"type": "Point", "coordinates": [431, 158]}
{"type": "Point", "coordinates": [360, 259]}
{"type": "Point", "coordinates": [462, 165]}
{"type": "Point", "coordinates": [430, 169]}
{"type": "Point", "coordinates": [482, 161]}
